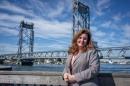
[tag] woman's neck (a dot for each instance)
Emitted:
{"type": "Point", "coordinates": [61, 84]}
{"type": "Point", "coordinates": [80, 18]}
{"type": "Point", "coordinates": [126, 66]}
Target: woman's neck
{"type": "Point", "coordinates": [80, 49]}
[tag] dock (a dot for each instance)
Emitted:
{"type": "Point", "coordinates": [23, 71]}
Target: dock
{"type": "Point", "coordinates": [5, 68]}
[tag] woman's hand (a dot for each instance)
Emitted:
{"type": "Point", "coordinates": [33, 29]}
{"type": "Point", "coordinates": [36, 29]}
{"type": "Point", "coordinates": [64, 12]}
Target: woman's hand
{"type": "Point", "coordinates": [71, 78]}
{"type": "Point", "coordinates": [66, 77]}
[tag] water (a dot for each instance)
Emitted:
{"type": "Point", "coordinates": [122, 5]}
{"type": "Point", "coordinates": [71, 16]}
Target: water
{"type": "Point", "coordinates": [115, 68]}
{"type": "Point", "coordinates": [41, 67]}
{"type": "Point", "coordinates": [107, 68]}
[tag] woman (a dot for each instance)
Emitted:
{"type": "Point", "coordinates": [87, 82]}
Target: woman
{"type": "Point", "coordinates": [82, 64]}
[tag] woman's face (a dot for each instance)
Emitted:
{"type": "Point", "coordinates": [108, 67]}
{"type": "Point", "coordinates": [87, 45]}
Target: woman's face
{"type": "Point", "coordinates": [82, 40]}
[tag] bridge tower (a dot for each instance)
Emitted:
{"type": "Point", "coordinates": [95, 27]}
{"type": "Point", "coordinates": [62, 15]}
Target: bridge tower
{"type": "Point", "coordinates": [26, 39]}
{"type": "Point", "coordinates": [81, 16]}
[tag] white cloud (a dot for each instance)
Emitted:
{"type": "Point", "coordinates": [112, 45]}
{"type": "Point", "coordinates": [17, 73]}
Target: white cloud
{"type": "Point", "coordinates": [106, 24]}
{"type": "Point", "coordinates": [115, 39]}
{"type": "Point", "coordinates": [57, 47]}
{"type": "Point", "coordinates": [6, 48]}
{"type": "Point", "coordinates": [110, 24]}
{"type": "Point", "coordinates": [54, 29]}
{"type": "Point", "coordinates": [111, 39]}
{"type": "Point", "coordinates": [49, 9]}
{"type": "Point", "coordinates": [7, 24]}
{"type": "Point", "coordinates": [97, 32]}
{"type": "Point", "coordinates": [101, 5]}
{"type": "Point", "coordinates": [117, 17]}
{"type": "Point", "coordinates": [43, 28]}
{"type": "Point", "coordinates": [128, 14]}
{"type": "Point", "coordinates": [126, 29]}
{"type": "Point", "coordinates": [12, 18]}
{"type": "Point", "coordinates": [50, 47]}
{"type": "Point", "coordinates": [13, 8]}
{"type": "Point", "coordinates": [125, 42]}
{"type": "Point", "coordinates": [8, 32]}
{"type": "Point", "coordinates": [58, 11]}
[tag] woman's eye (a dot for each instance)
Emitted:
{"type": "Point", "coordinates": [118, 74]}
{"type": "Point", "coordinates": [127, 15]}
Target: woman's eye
{"type": "Point", "coordinates": [80, 37]}
{"type": "Point", "coordinates": [85, 38]}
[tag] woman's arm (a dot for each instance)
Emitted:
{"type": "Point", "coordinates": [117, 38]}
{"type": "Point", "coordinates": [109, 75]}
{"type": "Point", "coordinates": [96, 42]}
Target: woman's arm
{"type": "Point", "coordinates": [66, 69]}
{"type": "Point", "coordinates": [92, 70]}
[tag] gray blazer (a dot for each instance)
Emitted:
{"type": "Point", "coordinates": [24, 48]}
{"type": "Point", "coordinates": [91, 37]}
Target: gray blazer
{"type": "Point", "coordinates": [84, 68]}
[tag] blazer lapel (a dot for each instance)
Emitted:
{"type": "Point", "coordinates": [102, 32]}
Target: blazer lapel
{"type": "Point", "coordinates": [76, 57]}
{"type": "Point", "coordinates": [69, 60]}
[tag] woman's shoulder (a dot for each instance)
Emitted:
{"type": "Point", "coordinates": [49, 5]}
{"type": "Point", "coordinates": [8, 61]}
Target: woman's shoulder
{"type": "Point", "coordinates": [91, 51]}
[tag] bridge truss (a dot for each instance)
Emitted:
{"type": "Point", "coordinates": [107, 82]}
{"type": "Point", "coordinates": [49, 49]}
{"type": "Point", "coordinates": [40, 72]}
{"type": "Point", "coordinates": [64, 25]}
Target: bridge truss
{"type": "Point", "coordinates": [104, 53]}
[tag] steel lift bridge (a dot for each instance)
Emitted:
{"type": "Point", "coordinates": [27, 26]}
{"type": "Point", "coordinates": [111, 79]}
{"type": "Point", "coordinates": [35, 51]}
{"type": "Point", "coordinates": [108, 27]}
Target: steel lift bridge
{"type": "Point", "coordinates": [116, 54]}
{"type": "Point", "coordinates": [81, 20]}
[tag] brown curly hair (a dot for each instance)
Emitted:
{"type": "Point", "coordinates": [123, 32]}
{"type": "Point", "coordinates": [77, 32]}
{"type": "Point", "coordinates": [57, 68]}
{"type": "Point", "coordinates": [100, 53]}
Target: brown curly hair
{"type": "Point", "coordinates": [74, 47]}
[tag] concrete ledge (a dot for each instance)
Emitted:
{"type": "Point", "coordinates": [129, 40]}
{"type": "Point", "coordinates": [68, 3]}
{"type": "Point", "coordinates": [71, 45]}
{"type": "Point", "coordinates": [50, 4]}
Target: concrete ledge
{"type": "Point", "coordinates": [54, 78]}
{"type": "Point", "coordinates": [31, 77]}
{"type": "Point", "coordinates": [114, 79]}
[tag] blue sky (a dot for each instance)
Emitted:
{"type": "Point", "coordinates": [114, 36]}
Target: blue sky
{"type": "Point", "coordinates": [110, 23]}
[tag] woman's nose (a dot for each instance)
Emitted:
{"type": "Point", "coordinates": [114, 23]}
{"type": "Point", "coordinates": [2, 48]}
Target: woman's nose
{"type": "Point", "coordinates": [82, 39]}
